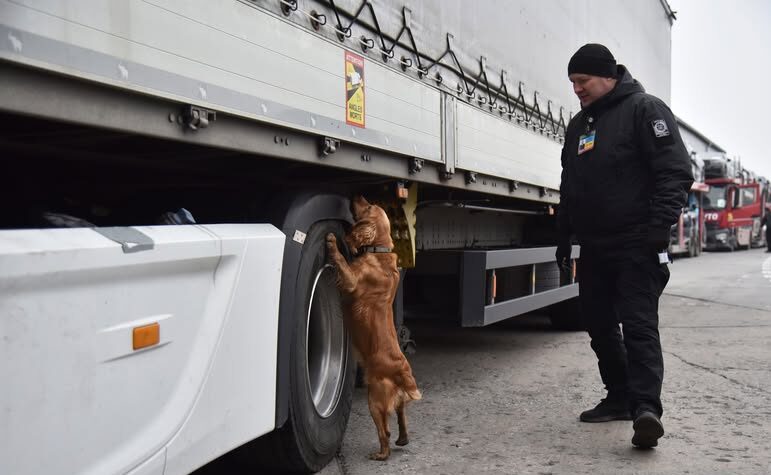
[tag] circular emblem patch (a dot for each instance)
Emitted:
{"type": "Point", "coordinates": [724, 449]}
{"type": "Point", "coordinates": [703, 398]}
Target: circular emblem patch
{"type": "Point", "coordinates": [660, 128]}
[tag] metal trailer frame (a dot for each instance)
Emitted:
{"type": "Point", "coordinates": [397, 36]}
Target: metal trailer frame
{"type": "Point", "coordinates": [475, 271]}
{"type": "Point", "coordinates": [33, 92]}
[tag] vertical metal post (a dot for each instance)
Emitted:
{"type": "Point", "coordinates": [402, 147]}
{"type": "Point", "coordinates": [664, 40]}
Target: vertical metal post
{"type": "Point", "coordinates": [449, 141]}
{"type": "Point", "coordinates": [473, 281]}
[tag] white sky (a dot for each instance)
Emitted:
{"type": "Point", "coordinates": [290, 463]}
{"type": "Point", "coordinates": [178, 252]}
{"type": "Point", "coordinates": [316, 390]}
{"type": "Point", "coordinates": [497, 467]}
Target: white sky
{"type": "Point", "coordinates": [721, 75]}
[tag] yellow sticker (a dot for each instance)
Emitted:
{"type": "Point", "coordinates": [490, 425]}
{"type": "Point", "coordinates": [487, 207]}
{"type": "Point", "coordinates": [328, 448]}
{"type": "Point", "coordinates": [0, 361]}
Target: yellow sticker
{"type": "Point", "coordinates": [354, 89]}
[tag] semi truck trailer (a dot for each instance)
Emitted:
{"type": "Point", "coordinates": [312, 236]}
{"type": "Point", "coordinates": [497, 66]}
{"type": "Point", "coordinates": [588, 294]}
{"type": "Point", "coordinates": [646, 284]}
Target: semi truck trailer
{"type": "Point", "coordinates": [171, 168]}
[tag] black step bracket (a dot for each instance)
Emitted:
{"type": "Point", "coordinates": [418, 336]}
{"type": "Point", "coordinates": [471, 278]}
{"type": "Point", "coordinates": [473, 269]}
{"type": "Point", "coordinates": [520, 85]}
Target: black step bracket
{"type": "Point", "coordinates": [328, 146]}
{"type": "Point", "coordinates": [416, 165]}
{"type": "Point", "coordinates": [195, 117]}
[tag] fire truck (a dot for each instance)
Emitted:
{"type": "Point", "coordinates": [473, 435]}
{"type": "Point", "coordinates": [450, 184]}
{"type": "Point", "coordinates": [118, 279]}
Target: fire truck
{"type": "Point", "coordinates": [734, 206]}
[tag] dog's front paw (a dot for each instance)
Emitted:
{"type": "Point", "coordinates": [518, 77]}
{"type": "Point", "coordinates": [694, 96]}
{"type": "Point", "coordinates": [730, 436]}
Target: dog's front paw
{"type": "Point", "coordinates": [331, 242]}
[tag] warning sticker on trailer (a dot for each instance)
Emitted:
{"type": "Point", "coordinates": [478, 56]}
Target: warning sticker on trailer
{"type": "Point", "coordinates": [354, 89]}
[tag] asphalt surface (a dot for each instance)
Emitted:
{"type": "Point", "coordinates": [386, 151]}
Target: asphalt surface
{"type": "Point", "coordinates": [506, 398]}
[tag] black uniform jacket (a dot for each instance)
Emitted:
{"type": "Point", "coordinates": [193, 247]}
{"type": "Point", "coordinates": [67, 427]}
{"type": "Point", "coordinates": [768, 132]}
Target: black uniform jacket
{"type": "Point", "coordinates": [625, 170]}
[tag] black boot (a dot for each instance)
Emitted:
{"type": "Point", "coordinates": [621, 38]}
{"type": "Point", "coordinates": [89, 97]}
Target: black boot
{"type": "Point", "coordinates": [647, 430]}
{"type": "Point", "coordinates": [608, 410]}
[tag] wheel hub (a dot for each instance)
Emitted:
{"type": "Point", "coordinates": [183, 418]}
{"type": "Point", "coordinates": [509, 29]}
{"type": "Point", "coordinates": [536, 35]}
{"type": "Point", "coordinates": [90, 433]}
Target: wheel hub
{"type": "Point", "coordinates": [326, 343]}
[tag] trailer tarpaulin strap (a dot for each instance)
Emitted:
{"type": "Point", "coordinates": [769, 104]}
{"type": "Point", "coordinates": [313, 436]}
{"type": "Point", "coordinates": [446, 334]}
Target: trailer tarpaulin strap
{"type": "Point", "coordinates": [496, 99]}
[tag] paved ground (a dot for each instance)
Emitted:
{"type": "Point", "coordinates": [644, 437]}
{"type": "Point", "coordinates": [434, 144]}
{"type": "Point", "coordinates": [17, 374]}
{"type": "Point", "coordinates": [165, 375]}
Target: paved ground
{"type": "Point", "coordinates": [505, 399]}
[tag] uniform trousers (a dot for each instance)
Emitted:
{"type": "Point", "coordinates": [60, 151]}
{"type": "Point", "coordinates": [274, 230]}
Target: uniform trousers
{"type": "Point", "coordinates": [619, 291]}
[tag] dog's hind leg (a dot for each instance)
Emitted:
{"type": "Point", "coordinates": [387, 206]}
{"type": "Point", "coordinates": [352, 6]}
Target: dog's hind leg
{"type": "Point", "coordinates": [401, 412]}
{"type": "Point", "coordinates": [380, 393]}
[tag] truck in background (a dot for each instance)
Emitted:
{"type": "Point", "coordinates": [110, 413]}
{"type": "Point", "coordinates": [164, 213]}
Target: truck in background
{"type": "Point", "coordinates": [734, 206]}
{"type": "Point", "coordinates": [688, 233]}
{"type": "Point", "coordinates": [130, 345]}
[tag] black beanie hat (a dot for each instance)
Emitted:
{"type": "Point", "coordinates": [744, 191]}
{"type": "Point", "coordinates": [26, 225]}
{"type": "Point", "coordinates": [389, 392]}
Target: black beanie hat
{"type": "Point", "coordinates": [593, 59]}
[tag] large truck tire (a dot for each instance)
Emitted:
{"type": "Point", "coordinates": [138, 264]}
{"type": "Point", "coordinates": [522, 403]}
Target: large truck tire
{"type": "Point", "coordinates": [566, 315]}
{"type": "Point", "coordinates": [322, 367]}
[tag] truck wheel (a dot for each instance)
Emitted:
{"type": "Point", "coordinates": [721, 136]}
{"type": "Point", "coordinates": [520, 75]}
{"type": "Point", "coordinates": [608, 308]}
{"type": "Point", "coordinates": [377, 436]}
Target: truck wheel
{"type": "Point", "coordinates": [322, 370]}
{"type": "Point", "coordinates": [566, 315]}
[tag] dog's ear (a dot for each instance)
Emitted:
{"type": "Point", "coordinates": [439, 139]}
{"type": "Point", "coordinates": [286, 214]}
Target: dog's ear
{"type": "Point", "coordinates": [363, 233]}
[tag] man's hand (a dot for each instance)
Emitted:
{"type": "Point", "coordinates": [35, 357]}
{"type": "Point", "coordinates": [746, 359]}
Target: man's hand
{"type": "Point", "coordinates": [563, 255]}
{"type": "Point", "coordinates": [658, 238]}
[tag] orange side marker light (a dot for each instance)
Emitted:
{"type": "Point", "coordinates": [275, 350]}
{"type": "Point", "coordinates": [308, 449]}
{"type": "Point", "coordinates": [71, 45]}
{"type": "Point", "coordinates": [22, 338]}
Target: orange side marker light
{"type": "Point", "coordinates": [147, 335]}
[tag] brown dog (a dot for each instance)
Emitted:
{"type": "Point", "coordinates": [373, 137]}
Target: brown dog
{"type": "Point", "coordinates": [368, 286]}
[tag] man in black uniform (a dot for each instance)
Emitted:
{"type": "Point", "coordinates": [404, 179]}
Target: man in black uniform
{"type": "Point", "coordinates": [625, 177]}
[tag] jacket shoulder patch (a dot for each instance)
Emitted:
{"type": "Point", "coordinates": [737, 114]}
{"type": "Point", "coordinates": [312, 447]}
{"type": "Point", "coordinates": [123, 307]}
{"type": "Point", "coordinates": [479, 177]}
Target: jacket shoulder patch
{"type": "Point", "coordinates": [660, 128]}
{"type": "Point", "coordinates": [661, 133]}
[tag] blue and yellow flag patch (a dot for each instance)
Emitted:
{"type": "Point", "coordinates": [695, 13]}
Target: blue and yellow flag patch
{"type": "Point", "coordinates": [586, 142]}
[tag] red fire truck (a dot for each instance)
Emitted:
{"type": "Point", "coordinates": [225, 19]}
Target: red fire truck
{"type": "Point", "coordinates": [734, 206]}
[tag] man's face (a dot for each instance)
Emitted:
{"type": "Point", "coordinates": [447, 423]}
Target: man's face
{"type": "Point", "coordinates": [590, 88]}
